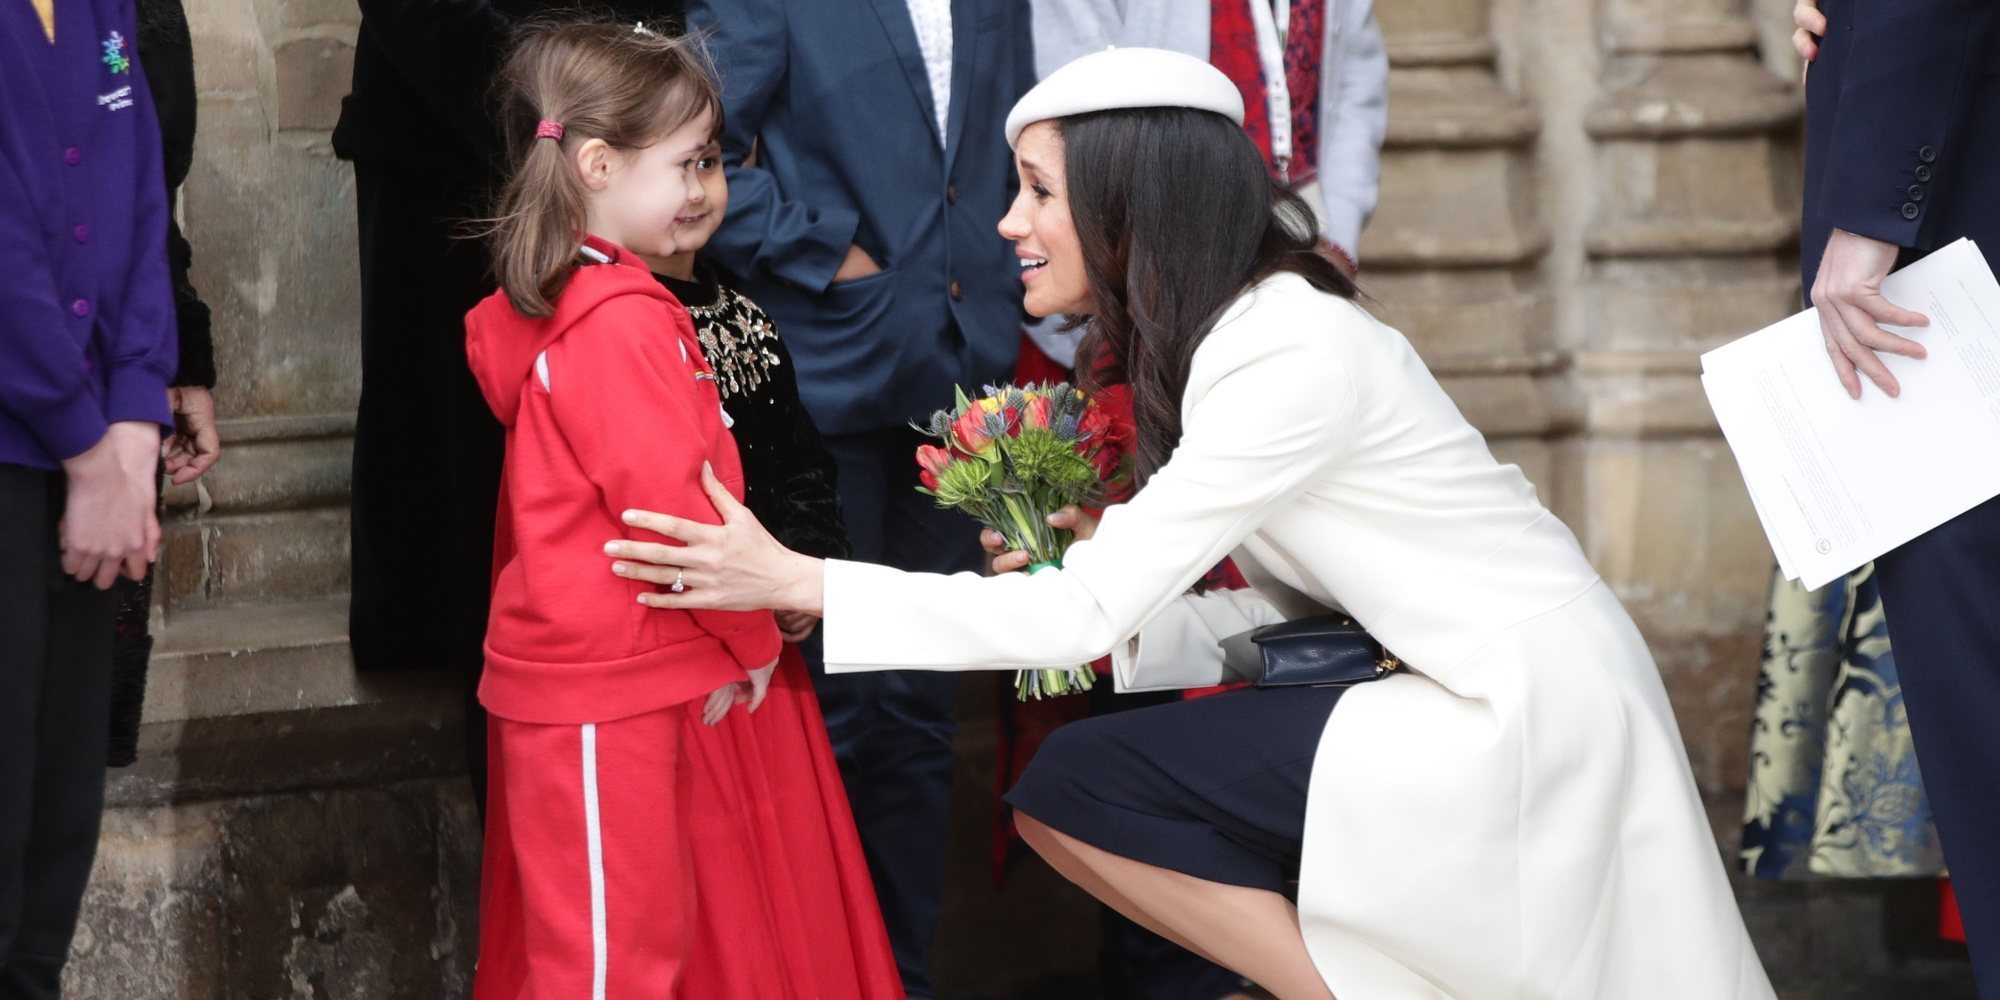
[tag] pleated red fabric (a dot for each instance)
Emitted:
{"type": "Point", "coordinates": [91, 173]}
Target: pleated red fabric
{"type": "Point", "coordinates": [784, 906]}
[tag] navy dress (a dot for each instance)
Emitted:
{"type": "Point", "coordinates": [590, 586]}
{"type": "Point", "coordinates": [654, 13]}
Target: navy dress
{"type": "Point", "coordinates": [1213, 787]}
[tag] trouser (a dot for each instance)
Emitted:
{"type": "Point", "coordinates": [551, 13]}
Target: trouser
{"type": "Point", "coordinates": [1941, 598]}
{"type": "Point", "coordinates": [587, 887]}
{"type": "Point", "coordinates": [55, 676]}
{"type": "Point", "coordinates": [892, 730]}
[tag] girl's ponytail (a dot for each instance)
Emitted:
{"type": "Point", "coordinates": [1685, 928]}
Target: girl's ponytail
{"type": "Point", "coordinates": [620, 83]}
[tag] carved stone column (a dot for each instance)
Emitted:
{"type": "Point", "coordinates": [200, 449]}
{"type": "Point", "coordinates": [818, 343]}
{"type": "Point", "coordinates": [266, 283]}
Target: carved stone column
{"type": "Point", "coordinates": [1451, 255]}
{"type": "Point", "coordinates": [1691, 243]}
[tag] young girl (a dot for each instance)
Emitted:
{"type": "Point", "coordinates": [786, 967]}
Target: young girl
{"type": "Point", "coordinates": [606, 788]}
{"type": "Point", "coordinates": [812, 916]}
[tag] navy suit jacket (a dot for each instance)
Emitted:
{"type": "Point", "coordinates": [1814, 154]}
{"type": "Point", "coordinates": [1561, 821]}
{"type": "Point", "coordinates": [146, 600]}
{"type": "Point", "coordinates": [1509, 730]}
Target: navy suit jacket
{"type": "Point", "coordinates": [838, 101]}
{"type": "Point", "coordinates": [1903, 127]}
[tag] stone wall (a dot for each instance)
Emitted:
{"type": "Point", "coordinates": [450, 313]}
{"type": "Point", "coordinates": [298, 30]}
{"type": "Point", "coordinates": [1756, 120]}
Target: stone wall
{"type": "Point", "coordinates": [1578, 197]}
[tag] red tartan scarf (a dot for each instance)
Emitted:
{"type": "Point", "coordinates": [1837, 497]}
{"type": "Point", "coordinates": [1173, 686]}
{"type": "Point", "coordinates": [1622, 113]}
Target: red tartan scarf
{"type": "Point", "coordinates": [1232, 48]}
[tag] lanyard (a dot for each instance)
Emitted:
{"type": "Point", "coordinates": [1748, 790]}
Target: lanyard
{"type": "Point", "coordinates": [1277, 94]}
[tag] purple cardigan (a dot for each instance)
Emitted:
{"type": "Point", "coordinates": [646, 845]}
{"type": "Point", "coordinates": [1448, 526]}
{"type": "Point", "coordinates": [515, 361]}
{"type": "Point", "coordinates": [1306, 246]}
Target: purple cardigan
{"type": "Point", "coordinates": [86, 312]}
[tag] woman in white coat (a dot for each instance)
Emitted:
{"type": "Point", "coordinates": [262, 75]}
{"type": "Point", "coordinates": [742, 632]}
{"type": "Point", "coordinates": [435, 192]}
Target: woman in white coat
{"type": "Point", "coordinates": [1513, 816]}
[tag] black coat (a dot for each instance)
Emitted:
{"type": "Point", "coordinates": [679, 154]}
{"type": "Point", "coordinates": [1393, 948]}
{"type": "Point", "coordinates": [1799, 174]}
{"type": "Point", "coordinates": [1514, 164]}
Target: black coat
{"type": "Point", "coordinates": [166, 54]}
{"type": "Point", "coordinates": [426, 449]}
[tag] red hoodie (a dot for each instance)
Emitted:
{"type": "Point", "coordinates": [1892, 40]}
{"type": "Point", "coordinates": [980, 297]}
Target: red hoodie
{"type": "Point", "coordinates": [608, 406]}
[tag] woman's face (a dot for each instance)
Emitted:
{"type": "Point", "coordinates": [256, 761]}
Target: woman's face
{"type": "Point", "coordinates": [1039, 225]}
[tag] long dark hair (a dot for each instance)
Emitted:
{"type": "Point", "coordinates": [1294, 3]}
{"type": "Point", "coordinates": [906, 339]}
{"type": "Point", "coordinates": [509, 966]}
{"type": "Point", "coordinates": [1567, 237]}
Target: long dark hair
{"type": "Point", "coordinates": [1177, 216]}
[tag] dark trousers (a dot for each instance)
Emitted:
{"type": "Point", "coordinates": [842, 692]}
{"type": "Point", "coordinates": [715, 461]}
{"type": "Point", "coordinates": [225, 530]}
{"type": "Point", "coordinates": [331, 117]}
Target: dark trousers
{"type": "Point", "coordinates": [892, 731]}
{"type": "Point", "coordinates": [426, 447]}
{"type": "Point", "coordinates": [1941, 596]}
{"type": "Point", "coordinates": [55, 678]}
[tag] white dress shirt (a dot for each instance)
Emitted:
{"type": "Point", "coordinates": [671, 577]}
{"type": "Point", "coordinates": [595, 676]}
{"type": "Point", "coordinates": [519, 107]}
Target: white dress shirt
{"type": "Point", "coordinates": [933, 22]}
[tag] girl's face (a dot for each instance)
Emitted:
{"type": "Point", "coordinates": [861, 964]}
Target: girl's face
{"type": "Point", "coordinates": [641, 198]}
{"type": "Point", "coordinates": [1039, 224]}
{"type": "Point", "coordinates": [698, 221]}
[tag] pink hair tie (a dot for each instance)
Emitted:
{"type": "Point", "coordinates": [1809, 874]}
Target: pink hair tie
{"type": "Point", "coordinates": [546, 129]}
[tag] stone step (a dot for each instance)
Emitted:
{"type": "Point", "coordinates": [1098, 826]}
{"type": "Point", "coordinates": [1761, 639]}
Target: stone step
{"type": "Point", "coordinates": [242, 700]}
{"type": "Point", "coordinates": [268, 523]}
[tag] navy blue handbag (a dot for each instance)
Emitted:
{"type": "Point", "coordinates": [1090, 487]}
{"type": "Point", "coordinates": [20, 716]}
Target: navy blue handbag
{"type": "Point", "coordinates": [1324, 650]}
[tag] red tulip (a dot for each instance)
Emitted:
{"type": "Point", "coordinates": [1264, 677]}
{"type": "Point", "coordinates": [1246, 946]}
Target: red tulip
{"type": "Point", "coordinates": [969, 433]}
{"type": "Point", "coordinates": [932, 459]}
{"type": "Point", "coordinates": [1037, 414]}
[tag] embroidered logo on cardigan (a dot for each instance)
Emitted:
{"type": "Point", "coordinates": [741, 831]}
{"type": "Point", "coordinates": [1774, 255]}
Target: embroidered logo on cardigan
{"type": "Point", "coordinates": [114, 54]}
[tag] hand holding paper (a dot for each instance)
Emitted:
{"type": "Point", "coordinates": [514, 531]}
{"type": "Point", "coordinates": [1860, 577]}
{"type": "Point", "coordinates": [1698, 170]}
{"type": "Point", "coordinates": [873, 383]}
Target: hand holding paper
{"type": "Point", "coordinates": [1847, 295]}
{"type": "Point", "coordinates": [1839, 479]}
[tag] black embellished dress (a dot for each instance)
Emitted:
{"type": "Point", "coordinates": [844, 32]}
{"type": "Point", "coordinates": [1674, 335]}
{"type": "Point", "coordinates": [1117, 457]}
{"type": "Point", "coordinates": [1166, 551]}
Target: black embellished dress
{"type": "Point", "coordinates": [788, 477]}
{"type": "Point", "coordinates": [782, 874]}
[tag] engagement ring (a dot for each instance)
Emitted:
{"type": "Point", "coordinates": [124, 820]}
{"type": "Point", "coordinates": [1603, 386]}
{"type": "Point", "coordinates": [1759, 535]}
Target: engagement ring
{"type": "Point", "coordinates": [680, 584]}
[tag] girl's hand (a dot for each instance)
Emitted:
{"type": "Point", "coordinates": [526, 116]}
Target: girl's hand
{"type": "Point", "coordinates": [1070, 518]}
{"type": "Point", "coordinates": [760, 685]}
{"type": "Point", "coordinates": [719, 701]}
{"type": "Point", "coordinates": [732, 566]}
{"type": "Point", "coordinates": [795, 626]}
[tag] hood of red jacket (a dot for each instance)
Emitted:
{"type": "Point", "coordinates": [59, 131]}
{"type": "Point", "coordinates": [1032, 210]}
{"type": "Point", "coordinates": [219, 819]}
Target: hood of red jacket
{"type": "Point", "coordinates": [501, 345]}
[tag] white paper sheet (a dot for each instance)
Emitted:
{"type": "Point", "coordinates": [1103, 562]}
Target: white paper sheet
{"type": "Point", "coordinates": [1837, 481]}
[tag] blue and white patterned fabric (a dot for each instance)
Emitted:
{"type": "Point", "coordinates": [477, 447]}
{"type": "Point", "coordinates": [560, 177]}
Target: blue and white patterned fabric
{"type": "Point", "coordinates": [1834, 789]}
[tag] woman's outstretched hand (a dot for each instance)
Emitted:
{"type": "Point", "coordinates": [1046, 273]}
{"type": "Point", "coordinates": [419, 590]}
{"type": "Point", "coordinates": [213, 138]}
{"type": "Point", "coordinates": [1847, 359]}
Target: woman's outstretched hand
{"type": "Point", "coordinates": [1070, 518]}
{"type": "Point", "coordinates": [732, 566]}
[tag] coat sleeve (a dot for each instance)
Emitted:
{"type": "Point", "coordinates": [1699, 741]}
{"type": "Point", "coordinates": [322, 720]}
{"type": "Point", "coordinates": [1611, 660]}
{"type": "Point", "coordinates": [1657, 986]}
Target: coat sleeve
{"type": "Point", "coordinates": [1899, 119]}
{"type": "Point", "coordinates": [1353, 125]}
{"type": "Point", "coordinates": [167, 55]}
{"type": "Point", "coordinates": [145, 347]}
{"type": "Point", "coordinates": [1183, 646]}
{"type": "Point", "coordinates": [813, 521]}
{"type": "Point", "coordinates": [768, 230]}
{"type": "Point", "coordinates": [622, 369]}
{"type": "Point", "coordinates": [1271, 412]}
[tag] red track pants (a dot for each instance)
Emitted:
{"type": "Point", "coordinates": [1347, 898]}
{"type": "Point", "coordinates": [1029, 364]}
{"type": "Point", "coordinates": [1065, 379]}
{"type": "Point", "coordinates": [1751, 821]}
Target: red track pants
{"type": "Point", "coordinates": [587, 891]}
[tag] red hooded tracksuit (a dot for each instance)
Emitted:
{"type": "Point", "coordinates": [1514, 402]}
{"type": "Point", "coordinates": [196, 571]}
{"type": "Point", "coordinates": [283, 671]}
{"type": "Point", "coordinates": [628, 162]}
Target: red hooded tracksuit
{"type": "Point", "coordinates": [608, 406]}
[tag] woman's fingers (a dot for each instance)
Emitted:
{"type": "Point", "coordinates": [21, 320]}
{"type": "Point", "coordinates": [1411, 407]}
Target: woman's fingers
{"type": "Point", "coordinates": [665, 576]}
{"type": "Point", "coordinates": [992, 541]}
{"type": "Point", "coordinates": [657, 553]}
{"type": "Point", "coordinates": [678, 528]}
{"type": "Point", "coordinates": [1071, 518]}
{"type": "Point", "coordinates": [1008, 562]}
{"type": "Point", "coordinates": [719, 495]}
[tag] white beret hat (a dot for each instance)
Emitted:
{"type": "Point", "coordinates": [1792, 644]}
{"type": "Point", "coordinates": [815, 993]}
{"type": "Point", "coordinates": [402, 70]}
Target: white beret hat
{"type": "Point", "coordinates": [1126, 78]}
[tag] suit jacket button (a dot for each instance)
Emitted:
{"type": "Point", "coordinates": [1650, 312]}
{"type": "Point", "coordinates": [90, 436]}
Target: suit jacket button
{"type": "Point", "coordinates": [1923, 173]}
{"type": "Point", "coordinates": [1916, 192]}
{"type": "Point", "coordinates": [957, 291]}
{"type": "Point", "coordinates": [1909, 210]}
{"type": "Point", "coordinates": [951, 194]}
{"type": "Point", "coordinates": [1927, 154]}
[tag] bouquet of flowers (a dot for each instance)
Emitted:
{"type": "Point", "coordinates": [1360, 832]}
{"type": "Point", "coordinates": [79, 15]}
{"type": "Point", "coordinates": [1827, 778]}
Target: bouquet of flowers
{"type": "Point", "coordinates": [1011, 458]}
